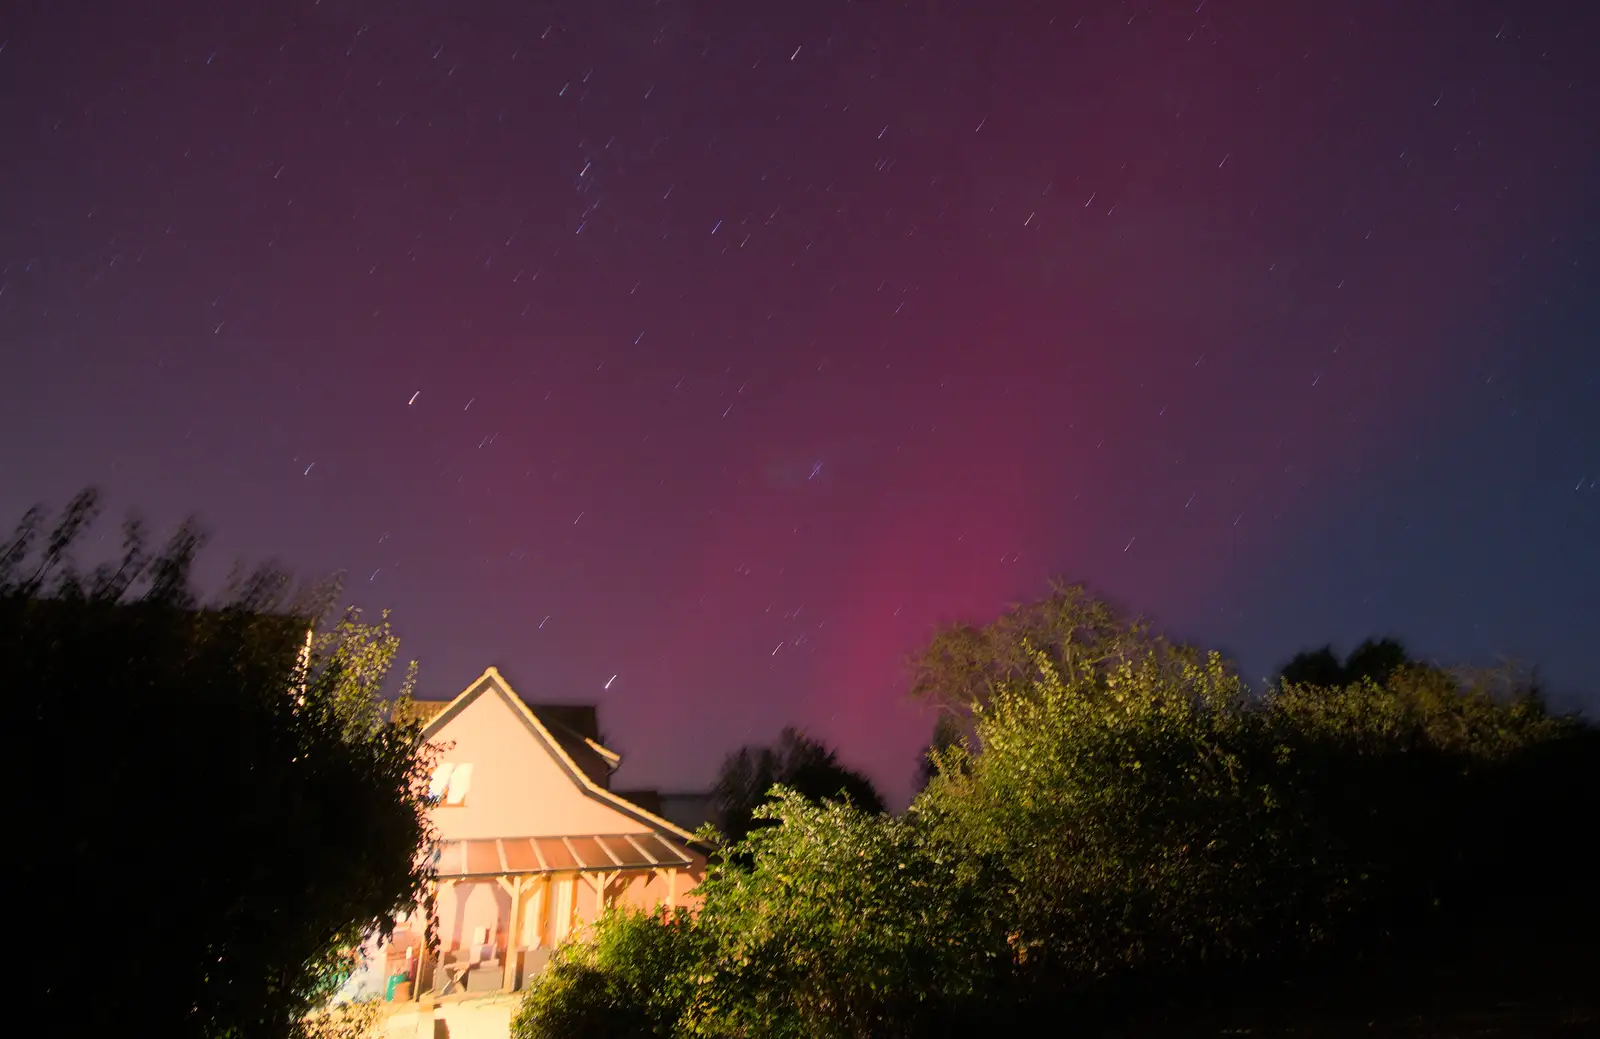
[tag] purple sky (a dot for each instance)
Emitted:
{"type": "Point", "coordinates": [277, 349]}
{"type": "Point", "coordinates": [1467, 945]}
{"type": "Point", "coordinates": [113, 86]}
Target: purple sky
{"type": "Point", "coordinates": [725, 348]}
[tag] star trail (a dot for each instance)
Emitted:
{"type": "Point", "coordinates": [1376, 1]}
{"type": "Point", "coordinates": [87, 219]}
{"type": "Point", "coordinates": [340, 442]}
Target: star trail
{"type": "Point", "coordinates": [695, 359]}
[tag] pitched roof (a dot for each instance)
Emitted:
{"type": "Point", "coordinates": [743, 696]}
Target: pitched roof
{"type": "Point", "coordinates": [649, 800]}
{"type": "Point", "coordinates": [556, 737]}
{"type": "Point", "coordinates": [582, 719]}
{"type": "Point", "coordinates": [577, 730]}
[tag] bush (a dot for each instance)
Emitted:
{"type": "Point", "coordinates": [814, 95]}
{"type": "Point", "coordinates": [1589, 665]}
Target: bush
{"type": "Point", "coordinates": [828, 922]}
{"type": "Point", "coordinates": [1151, 817]}
{"type": "Point", "coordinates": [1404, 797]}
{"type": "Point", "coordinates": [634, 977]}
{"type": "Point", "coordinates": [844, 923]}
{"type": "Point", "coordinates": [1119, 809]}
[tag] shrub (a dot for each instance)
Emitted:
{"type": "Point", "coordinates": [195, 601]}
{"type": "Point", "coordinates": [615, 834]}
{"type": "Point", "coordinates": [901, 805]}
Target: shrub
{"type": "Point", "coordinates": [1118, 807]}
{"type": "Point", "coordinates": [633, 976]}
{"type": "Point", "coordinates": [1146, 816]}
{"type": "Point", "coordinates": [843, 923]}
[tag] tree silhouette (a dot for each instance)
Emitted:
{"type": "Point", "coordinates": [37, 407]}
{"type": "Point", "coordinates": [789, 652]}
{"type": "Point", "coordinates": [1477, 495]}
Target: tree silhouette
{"type": "Point", "coordinates": [1377, 659]}
{"type": "Point", "coordinates": [948, 732]}
{"type": "Point", "coordinates": [209, 795]}
{"type": "Point", "coordinates": [796, 761]}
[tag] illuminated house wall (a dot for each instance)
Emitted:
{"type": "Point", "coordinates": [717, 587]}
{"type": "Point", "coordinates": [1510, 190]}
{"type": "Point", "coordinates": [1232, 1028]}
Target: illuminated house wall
{"type": "Point", "coordinates": [506, 775]}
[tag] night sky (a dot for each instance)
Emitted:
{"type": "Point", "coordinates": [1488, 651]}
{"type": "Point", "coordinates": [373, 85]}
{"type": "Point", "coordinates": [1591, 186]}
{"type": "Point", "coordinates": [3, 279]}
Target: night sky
{"type": "Point", "coordinates": [695, 359]}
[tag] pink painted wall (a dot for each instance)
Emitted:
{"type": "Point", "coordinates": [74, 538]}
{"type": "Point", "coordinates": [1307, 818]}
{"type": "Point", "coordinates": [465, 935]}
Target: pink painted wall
{"type": "Point", "coordinates": [518, 789]}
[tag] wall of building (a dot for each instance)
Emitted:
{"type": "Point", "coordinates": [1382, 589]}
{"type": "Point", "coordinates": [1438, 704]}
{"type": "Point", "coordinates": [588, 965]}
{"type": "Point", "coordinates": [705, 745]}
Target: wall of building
{"type": "Point", "coordinates": [518, 789]}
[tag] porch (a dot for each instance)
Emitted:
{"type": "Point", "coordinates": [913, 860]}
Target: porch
{"type": "Point", "coordinates": [504, 904]}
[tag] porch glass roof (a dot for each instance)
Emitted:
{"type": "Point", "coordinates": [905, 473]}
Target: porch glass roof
{"type": "Point", "coordinates": [598, 853]}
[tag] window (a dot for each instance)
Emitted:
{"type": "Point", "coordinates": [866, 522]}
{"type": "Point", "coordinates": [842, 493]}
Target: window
{"type": "Point", "coordinates": [450, 783]}
{"type": "Point", "coordinates": [460, 780]}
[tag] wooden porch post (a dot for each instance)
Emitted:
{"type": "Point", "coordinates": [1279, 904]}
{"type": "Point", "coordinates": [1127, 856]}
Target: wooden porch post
{"type": "Point", "coordinates": [514, 934]}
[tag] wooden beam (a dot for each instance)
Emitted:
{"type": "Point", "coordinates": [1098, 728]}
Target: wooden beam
{"type": "Point", "coordinates": [672, 889]}
{"type": "Point", "coordinates": [609, 853]}
{"type": "Point", "coordinates": [648, 857]}
{"type": "Point", "coordinates": [612, 881]}
{"type": "Point", "coordinates": [600, 881]}
{"type": "Point", "coordinates": [513, 933]}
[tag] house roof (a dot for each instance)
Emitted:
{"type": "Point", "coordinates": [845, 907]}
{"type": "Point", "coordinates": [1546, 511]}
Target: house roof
{"type": "Point", "coordinates": [569, 748]}
{"type": "Point", "coordinates": [649, 800]}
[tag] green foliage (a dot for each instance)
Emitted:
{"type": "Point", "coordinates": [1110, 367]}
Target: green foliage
{"type": "Point", "coordinates": [844, 923]}
{"type": "Point", "coordinates": [1118, 804]}
{"type": "Point", "coordinates": [347, 1021]}
{"type": "Point", "coordinates": [1404, 797]}
{"type": "Point", "coordinates": [832, 922]}
{"type": "Point", "coordinates": [797, 762]}
{"type": "Point", "coordinates": [1108, 807]}
{"type": "Point", "coordinates": [255, 810]}
{"type": "Point", "coordinates": [635, 977]}
{"type": "Point", "coordinates": [1150, 815]}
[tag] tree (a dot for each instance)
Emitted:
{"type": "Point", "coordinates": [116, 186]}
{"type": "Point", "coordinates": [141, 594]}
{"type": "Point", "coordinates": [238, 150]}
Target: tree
{"type": "Point", "coordinates": [963, 665]}
{"type": "Point", "coordinates": [1414, 798]}
{"type": "Point", "coordinates": [797, 762]}
{"type": "Point", "coordinates": [1146, 814]}
{"type": "Point", "coordinates": [948, 733]}
{"type": "Point", "coordinates": [1118, 808]}
{"type": "Point", "coordinates": [1376, 659]}
{"type": "Point", "coordinates": [1119, 818]}
{"type": "Point", "coordinates": [221, 804]}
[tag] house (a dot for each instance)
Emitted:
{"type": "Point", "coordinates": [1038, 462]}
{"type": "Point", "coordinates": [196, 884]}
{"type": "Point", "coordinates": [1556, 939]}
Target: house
{"type": "Point", "coordinates": [532, 842]}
